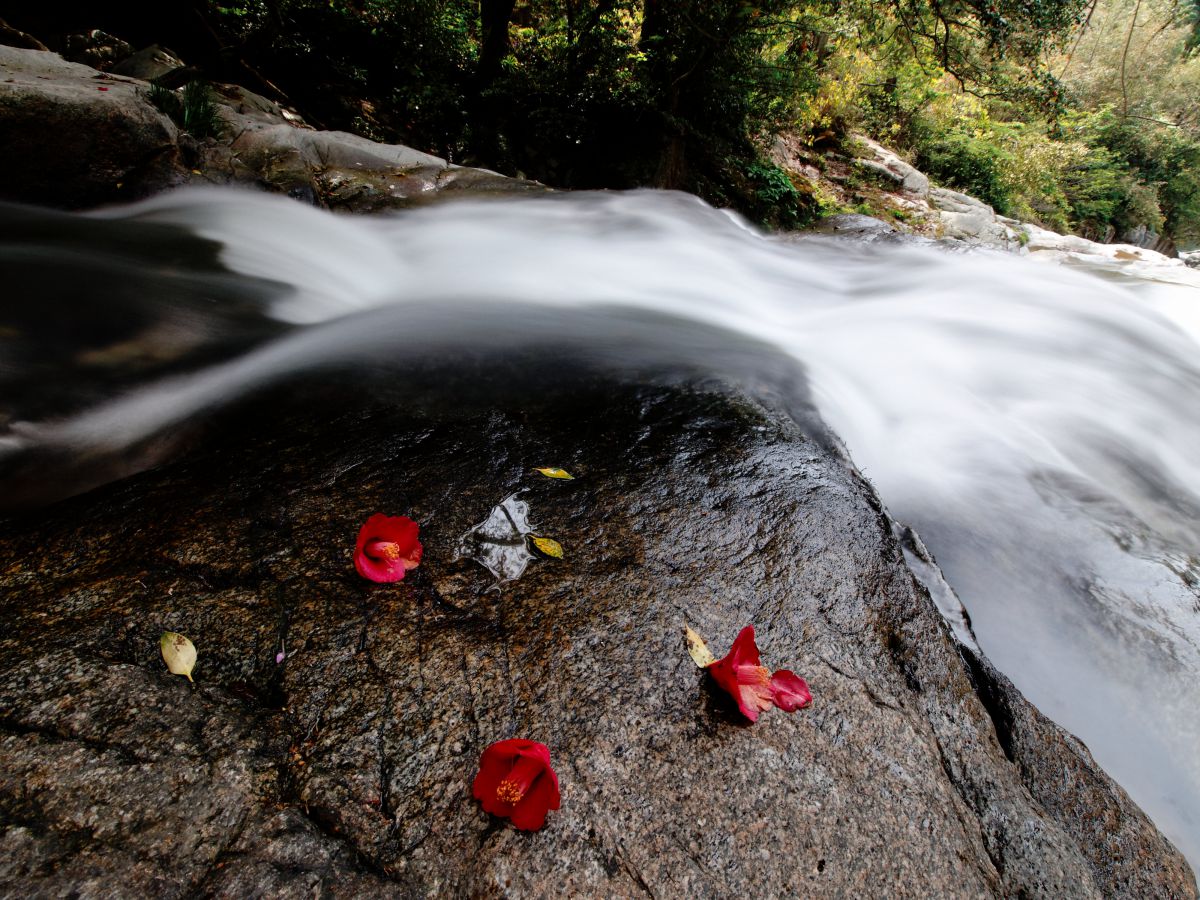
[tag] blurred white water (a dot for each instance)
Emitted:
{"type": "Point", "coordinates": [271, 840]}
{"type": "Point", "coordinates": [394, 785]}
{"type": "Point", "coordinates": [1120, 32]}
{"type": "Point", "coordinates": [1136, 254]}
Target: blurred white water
{"type": "Point", "coordinates": [1037, 425]}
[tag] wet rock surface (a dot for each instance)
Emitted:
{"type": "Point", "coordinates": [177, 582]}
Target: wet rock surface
{"type": "Point", "coordinates": [345, 770]}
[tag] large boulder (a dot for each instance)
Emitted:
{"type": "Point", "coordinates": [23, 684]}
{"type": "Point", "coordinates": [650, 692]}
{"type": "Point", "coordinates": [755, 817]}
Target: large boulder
{"type": "Point", "coordinates": [965, 218]}
{"type": "Point", "coordinates": [345, 769]}
{"type": "Point", "coordinates": [973, 221]}
{"type": "Point", "coordinates": [337, 170]}
{"type": "Point", "coordinates": [74, 137]}
{"type": "Point", "coordinates": [1130, 260]}
{"type": "Point", "coordinates": [153, 63]}
{"type": "Point", "coordinates": [15, 37]}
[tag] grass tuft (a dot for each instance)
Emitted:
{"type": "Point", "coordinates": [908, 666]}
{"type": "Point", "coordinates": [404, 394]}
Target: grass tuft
{"type": "Point", "coordinates": [193, 109]}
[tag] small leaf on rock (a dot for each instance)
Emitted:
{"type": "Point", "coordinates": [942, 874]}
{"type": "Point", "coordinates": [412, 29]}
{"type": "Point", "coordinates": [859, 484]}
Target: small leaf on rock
{"type": "Point", "coordinates": [698, 650]}
{"type": "Point", "coordinates": [553, 472]}
{"type": "Point", "coordinates": [549, 546]}
{"type": "Point", "coordinates": [178, 653]}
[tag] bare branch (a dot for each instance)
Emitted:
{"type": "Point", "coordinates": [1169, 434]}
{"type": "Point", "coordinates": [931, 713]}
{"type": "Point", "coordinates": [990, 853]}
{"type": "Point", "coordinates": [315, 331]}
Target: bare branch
{"type": "Point", "coordinates": [1124, 56]}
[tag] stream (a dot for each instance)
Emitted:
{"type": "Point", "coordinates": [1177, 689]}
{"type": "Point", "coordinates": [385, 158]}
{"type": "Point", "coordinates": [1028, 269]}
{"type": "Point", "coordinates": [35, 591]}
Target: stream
{"type": "Point", "coordinates": [1037, 424]}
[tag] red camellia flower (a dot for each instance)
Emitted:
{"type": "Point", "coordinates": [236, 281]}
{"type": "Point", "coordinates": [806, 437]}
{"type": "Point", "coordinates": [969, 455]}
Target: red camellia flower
{"type": "Point", "coordinates": [387, 547]}
{"type": "Point", "coordinates": [515, 781]}
{"type": "Point", "coordinates": [752, 685]}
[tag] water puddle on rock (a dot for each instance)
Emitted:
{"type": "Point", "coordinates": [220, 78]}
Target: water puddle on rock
{"type": "Point", "coordinates": [500, 542]}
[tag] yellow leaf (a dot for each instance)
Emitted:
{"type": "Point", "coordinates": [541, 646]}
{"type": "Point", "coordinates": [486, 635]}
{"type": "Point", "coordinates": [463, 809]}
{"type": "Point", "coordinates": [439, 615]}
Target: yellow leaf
{"type": "Point", "coordinates": [552, 472]}
{"type": "Point", "coordinates": [178, 653]}
{"type": "Point", "coordinates": [698, 650]}
{"type": "Point", "coordinates": [549, 546]}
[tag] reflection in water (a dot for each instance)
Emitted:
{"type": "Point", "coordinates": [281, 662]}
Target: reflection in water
{"type": "Point", "coordinates": [499, 542]}
{"type": "Point", "coordinates": [1036, 426]}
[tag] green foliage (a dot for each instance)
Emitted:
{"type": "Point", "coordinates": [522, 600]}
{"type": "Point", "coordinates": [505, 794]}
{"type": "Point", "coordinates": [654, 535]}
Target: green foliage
{"type": "Point", "coordinates": [1100, 174]}
{"type": "Point", "coordinates": [396, 69]}
{"type": "Point", "coordinates": [969, 162]}
{"type": "Point", "coordinates": [1096, 189]}
{"type": "Point", "coordinates": [1143, 175]}
{"type": "Point", "coordinates": [612, 93]}
{"type": "Point", "coordinates": [166, 101]}
{"type": "Point", "coordinates": [192, 109]}
{"type": "Point", "coordinates": [199, 116]}
{"type": "Point", "coordinates": [894, 98]}
{"type": "Point", "coordinates": [776, 200]}
{"type": "Point", "coordinates": [569, 106]}
{"type": "Point", "coordinates": [685, 93]}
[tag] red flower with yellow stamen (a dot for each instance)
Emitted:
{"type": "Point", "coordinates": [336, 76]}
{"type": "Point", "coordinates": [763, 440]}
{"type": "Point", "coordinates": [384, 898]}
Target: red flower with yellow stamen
{"type": "Point", "coordinates": [387, 547]}
{"type": "Point", "coordinates": [515, 781]}
{"type": "Point", "coordinates": [752, 685]}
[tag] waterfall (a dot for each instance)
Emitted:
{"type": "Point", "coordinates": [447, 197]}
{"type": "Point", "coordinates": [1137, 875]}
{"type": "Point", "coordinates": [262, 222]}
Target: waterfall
{"type": "Point", "coordinates": [1036, 424]}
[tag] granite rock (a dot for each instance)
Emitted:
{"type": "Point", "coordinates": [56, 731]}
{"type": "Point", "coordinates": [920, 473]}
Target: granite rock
{"type": "Point", "coordinates": [889, 165]}
{"type": "Point", "coordinates": [345, 770]}
{"type": "Point", "coordinates": [965, 218]}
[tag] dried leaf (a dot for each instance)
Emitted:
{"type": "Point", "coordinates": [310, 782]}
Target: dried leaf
{"type": "Point", "coordinates": [549, 546]}
{"type": "Point", "coordinates": [553, 472]}
{"type": "Point", "coordinates": [698, 650]}
{"type": "Point", "coordinates": [178, 653]}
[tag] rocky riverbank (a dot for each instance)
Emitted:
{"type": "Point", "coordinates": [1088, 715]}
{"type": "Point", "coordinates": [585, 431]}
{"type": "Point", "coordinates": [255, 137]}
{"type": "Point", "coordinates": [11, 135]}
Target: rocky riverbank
{"type": "Point", "coordinates": [908, 208]}
{"type": "Point", "coordinates": [74, 137]}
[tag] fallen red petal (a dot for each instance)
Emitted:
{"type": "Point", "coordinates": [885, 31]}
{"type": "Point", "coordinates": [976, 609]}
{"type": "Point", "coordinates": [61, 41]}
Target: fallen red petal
{"type": "Point", "coordinates": [789, 691]}
{"type": "Point", "coordinates": [492, 770]}
{"type": "Point", "coordinates": [530, 812]}
{"type": "Point", "coordinates": [744, 651]}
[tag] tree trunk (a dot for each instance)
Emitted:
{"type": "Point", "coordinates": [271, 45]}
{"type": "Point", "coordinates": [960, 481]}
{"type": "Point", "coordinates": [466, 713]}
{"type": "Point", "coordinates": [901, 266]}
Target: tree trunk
{"type": "Point", "coordinates": [494, 16]}
{"type": "Point", "coordinates": [486, 120]}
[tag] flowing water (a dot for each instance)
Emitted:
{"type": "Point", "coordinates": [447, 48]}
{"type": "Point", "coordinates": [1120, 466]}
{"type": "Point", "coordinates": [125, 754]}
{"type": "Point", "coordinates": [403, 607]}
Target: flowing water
{"type": "Point", "coordinates": [1037, 425]}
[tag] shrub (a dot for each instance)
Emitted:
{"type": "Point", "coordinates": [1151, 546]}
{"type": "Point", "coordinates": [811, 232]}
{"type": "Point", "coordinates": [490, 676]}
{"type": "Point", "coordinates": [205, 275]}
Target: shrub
{"type": "Point", "coordinates": [1141, 174]}
{"type": "Point", "coordinates": [775, 200]}
{"type": "Point", "coordinates": [970, 163]}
